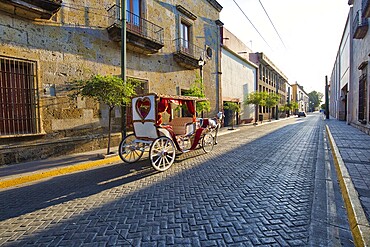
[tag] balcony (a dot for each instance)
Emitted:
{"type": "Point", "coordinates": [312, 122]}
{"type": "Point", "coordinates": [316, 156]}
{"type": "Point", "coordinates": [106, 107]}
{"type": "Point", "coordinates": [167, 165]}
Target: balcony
{"type": "Point", "coordinates": [365, 8]}
{"type": "Point", "coordinates": [187, 54]}
{"type": "Point", "coordinates": [142, 35]}
{"type": "Point", "coordinates": [31, 9]}
{"type": "Point", "coordinates": [360, 26]}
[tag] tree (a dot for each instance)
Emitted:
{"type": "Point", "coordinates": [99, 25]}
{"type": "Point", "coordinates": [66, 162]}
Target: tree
{"type": "Point", "coordinates": [272, 99]}
{"type": "Point", "coordinates": [315, 98]}
{"type": "Point", "coordinates": [294, 106]}
{"type": "Point", "coordinates": [197, 90]}
{"type": "Point", "coordinates": [257, 99]}
{"type": "Point", "coordinates": [234, 108]}
{"type": "Point", "coordinates": [283, 109]}
{"type": "Point", "coordinates": [110, 90]}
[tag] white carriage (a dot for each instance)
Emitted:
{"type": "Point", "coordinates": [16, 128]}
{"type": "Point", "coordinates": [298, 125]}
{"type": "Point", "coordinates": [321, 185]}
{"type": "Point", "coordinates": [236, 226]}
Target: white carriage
{"type": "Point", "coordinates": [180, 134]}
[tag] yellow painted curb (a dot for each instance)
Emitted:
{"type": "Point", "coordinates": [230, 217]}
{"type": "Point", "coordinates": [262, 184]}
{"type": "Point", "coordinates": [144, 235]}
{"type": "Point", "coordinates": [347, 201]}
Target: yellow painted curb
{"type": "Point", "coordinates": [356, 216]}
{"type": "Point", "coordinates": [56, 172]}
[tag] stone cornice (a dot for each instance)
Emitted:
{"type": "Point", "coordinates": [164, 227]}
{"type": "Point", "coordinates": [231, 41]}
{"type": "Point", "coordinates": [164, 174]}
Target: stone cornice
{"type": "Point", "coordinates": [186, 12]}
{"type": "Point", "coordinates": [216, 5]}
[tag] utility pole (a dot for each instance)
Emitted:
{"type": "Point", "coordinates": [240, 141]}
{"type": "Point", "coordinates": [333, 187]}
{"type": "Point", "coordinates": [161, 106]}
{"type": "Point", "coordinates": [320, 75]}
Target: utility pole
{"type": "Point", "coordinates": [326, 98]}
{"type": "Point", "coordinates": [277, 106]}
{"type": "Point", "coordinates": [123, 62]}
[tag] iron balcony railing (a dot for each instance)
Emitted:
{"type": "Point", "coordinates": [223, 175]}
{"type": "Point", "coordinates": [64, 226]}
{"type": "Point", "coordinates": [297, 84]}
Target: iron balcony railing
{"type": "Point", "coordinates": [185, 47]}
{"type": "Point", "coordinates": [136, 24]}
{"type": "Point", "coordinates": [360, 26]}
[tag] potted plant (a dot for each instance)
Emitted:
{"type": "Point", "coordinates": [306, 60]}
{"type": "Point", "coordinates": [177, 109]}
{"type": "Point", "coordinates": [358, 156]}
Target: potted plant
{"type": "Point", "coordinates": [234, 107]}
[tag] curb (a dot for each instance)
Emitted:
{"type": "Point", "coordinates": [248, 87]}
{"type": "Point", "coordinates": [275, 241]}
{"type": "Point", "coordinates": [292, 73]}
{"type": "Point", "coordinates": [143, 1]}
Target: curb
{"type": "Point", "coordinates": [359, 225]}
{"type": "Point", "coordinates": [55, 172]}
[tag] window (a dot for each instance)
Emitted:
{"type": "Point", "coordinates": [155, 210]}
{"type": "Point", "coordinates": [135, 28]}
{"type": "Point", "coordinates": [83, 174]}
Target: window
{"type": "Point", "coordinates": [362, 93]}
{"type": "Point", "coordinates": [134, 6]}
{"type": "Point", "coordinates": [185, 35]}
{"type": "Point", "coordinates": [133, 14]}
{"type": "Point", "coordinates": [362, 99]}
{"type": "Point", "coordinates": [260, 72]}
{"type": "Point", "coordinates": [18, 97]}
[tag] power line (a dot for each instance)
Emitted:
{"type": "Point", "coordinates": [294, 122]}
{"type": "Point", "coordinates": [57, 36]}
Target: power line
{"type": "Point", "coordinates": [272, 23]}
{"type": "Point", "coordinates": [252, 24]}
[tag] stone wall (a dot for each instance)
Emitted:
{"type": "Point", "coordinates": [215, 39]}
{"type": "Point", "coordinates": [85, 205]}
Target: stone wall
{"type": "Point", "coordinates": [74, 44]}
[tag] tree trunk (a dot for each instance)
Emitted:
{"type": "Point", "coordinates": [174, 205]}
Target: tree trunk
{"type": "Point", "coordinates": [109, 129]}
{"type": "Point", "coordinates": [232, 122]}
{"type": "Point", "coordinates": [269, 114]}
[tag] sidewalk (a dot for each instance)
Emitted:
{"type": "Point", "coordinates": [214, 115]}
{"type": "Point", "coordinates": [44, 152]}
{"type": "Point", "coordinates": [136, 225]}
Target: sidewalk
{"type": "Point", "coordinates": [351, 152]}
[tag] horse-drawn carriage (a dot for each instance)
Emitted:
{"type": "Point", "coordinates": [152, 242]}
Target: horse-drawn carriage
{"type": "Point", "coordinates": [163, 140]}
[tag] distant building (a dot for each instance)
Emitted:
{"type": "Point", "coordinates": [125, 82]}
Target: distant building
{"type": "Point", "coordinates": [238, 78]}
{"type": "Point", "coordinates": [270, 79]}
{"type": "Point", "coordinates": [46, 44]}
{"type": "Point", "coordinates": [301, 97]}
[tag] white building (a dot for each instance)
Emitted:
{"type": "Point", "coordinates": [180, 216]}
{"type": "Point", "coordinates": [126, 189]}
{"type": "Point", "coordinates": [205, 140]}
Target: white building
{"type": "Point", "coordinates": [239, 76]}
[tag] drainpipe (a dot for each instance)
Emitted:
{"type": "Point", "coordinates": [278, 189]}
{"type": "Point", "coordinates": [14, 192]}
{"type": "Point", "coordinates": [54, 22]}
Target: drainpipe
{"type": "Point", "coordinates": [219, 106]}
{"type": "Point", "coordinates": [123, 63]}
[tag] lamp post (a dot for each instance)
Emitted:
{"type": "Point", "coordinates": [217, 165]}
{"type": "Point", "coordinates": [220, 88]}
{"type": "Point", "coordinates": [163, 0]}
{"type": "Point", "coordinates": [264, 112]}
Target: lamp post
{"type": "Point", "coordinates": [326, 98]}
{"type": "Point", "coordinates": [123, 62]}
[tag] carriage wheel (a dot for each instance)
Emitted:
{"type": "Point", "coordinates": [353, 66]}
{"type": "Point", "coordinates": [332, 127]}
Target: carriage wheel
{"type": "Point", "coordinates": [207, 142]}
{"type": "Point", "coordinates": [162, 153]}
{"type": "Point", "coordinates": [129, 150]}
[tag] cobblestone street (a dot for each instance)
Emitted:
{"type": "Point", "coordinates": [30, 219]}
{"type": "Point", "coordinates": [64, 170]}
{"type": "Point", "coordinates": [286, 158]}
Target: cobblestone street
{"type": "Point", "coordinates": [257, 187]}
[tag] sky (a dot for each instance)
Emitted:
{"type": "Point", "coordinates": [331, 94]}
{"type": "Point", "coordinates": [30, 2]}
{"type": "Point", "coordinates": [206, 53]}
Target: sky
{"type": "Point", "coordinates": [310, 34]}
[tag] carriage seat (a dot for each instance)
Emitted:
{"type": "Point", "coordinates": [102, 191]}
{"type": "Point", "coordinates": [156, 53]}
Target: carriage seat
{"type": "Point", "coordinates": [183, 125]}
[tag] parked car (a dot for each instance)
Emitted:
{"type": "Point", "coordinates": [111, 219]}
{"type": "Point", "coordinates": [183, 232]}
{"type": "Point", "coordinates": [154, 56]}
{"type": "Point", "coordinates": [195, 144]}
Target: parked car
{"type": "Point", "coordinates": [301, 114]}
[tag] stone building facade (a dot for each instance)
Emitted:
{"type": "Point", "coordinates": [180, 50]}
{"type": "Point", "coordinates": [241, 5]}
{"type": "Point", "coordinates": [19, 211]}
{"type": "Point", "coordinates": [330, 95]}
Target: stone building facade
{"type": "Point", "coordinates": [46, 44]}
{"type": "Point", "coordinates": [239, 76]}
{"type": "Point", "coordinates": [272, 80]}
{"type": "Point", "coordinates": [359, 88]}
{"type": "Point", "coordinates": [339, 79]}
{"type": "Point", "coordinates": [349, 82]}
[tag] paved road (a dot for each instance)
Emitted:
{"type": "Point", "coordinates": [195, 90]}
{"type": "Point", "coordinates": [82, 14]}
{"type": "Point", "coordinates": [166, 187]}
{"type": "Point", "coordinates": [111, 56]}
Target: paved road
{"type": "Point", "coordinates": [271, 185]}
